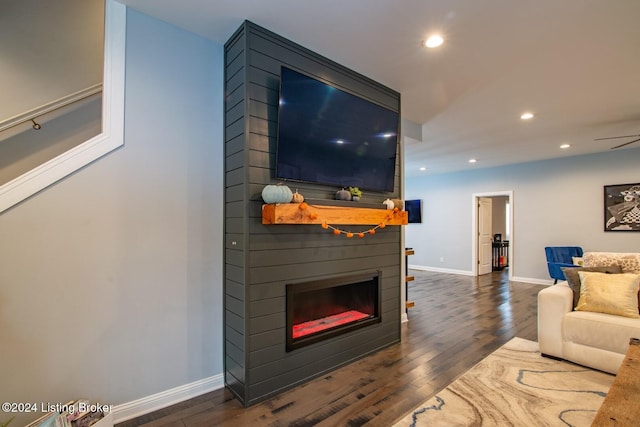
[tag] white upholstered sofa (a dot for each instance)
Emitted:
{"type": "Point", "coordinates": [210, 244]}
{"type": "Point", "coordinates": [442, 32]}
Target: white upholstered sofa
{"type": "Point", "coordinates": [590, 338]}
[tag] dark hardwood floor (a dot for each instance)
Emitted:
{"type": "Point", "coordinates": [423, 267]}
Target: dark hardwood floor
{"type": "Point", "coordinates": [456, 322]}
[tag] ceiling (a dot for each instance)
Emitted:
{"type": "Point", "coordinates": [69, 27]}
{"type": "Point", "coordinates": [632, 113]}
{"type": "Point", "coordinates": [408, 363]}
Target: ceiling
{"type": "Point", "coordinates": [574, 63]}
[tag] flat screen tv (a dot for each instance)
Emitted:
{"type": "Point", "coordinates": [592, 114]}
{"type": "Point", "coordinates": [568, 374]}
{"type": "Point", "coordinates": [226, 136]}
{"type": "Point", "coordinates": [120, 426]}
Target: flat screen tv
{"type": "Point", "coordinates": [329, 136]}
{"type": "Point", "coordinates": [414, 210]}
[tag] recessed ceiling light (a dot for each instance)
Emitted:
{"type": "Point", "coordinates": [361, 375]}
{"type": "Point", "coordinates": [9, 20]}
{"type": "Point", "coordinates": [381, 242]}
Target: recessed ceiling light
{"type": "Point", "coordinates": [565, 146]}
{"type": "Point", "coordinates": [526, 116]}
{"type": "Point", "coordinates": [472, 160]}
{"type": "Point", "coordinates": [423, 168]}
{"type": "Point", "coordinates": [433, 41]}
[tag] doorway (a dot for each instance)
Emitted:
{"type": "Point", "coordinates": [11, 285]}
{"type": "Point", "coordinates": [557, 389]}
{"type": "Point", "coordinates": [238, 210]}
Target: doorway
{"type": "Point", "coordinates": [500, 212]}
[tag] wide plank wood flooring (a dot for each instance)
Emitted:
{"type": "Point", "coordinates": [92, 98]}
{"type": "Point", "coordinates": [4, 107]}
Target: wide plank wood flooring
{"type": "Point", "coordinates": [456, 322]}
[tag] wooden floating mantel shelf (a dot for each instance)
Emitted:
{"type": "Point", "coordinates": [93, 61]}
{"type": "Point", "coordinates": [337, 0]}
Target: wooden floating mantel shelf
{"type": "Point", "coordinates": [292, 213]}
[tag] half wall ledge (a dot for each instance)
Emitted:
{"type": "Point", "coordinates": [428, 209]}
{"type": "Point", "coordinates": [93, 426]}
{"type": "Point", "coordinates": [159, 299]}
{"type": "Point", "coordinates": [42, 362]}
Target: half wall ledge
{"type": "Point", "coordinates": [304, 213]}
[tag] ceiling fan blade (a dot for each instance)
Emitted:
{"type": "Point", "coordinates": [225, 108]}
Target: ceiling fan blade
{"type": "Point", "coordinates": [616, 137]}
{"type": "Point", "coordinates": [626, 143]}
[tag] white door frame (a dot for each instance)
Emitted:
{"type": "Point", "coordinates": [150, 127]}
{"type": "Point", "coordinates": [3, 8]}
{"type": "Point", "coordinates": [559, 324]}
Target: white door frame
{"type": "Point", "coordinates": [474, 229]}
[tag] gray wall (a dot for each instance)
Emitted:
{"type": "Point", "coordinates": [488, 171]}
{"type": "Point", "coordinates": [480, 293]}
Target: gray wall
{"type": "Point", "coordinates": [111, 280]}
{"type": "Point", "coordinates": [555, 202]}
{"type": "Point", "coordinates": [49, 50]}
{"type": "Point", "coordinates": [29, 148]}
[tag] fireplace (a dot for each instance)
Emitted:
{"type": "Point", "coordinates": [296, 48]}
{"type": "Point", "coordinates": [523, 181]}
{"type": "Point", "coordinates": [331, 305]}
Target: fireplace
{"type": "Point", "coordinates": [261, 259]}
{"type": "Point", "coordinates": [320, 309]}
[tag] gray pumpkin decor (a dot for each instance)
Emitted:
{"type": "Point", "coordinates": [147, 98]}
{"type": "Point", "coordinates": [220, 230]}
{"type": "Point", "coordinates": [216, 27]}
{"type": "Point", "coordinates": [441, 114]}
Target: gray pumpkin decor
{"type": "Point", "coordinates": [277, 194]}
{"type": "Point", "coordinates": [343, 195]}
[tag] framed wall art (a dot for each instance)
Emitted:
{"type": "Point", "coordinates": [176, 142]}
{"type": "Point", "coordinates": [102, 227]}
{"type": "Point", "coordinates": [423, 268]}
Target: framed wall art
{"type": "Point", "coordinates": [622, 207]}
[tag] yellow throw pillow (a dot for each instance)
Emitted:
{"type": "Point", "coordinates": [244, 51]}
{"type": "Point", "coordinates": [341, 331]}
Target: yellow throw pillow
{"type": "Point", "coordinates": [609, 293]}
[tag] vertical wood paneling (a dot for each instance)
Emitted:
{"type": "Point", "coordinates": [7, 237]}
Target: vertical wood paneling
{"type": "Point", "coordinates": [276, 255]}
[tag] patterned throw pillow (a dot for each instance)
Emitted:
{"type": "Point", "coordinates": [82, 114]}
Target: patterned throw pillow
{"type": "Point", "coordinates": [571, 274]}
{"type": "Point", "coordinates": [629, 262]}
{"type": "Point", "coordinates": [609, 293]}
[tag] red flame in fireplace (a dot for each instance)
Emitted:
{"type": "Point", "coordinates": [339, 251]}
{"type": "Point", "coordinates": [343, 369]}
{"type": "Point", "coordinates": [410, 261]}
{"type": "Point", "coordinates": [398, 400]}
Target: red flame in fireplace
{"type": "Point", "coordinates": [319, 325]}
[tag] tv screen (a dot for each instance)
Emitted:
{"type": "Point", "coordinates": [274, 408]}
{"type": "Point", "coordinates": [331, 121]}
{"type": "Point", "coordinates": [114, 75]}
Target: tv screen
{"type": "Point", "coordinates": [414, 209]}
{"type": "Point", "coordinates": [329, 136]}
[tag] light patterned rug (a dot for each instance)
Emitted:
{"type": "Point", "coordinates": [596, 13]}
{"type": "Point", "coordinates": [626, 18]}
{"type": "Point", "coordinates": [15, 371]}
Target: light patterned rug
{"type": "Point", "coordinates": [516, 386]}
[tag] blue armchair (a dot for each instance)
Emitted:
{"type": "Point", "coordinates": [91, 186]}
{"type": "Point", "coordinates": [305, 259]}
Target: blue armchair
{"type": "Point", "coordinates": [561, 256]}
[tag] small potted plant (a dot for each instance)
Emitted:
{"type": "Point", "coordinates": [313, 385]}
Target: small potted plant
{"type": "Point", "coordinates": [355, 193]}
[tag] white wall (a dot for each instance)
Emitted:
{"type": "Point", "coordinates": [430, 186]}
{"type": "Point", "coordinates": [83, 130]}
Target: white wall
{"type": "Point", "coordinates": [111, 280]}
{"type": "Point", "coordinates": [499, 215]}
{"type": "Point", "coordinates": [555, 202]}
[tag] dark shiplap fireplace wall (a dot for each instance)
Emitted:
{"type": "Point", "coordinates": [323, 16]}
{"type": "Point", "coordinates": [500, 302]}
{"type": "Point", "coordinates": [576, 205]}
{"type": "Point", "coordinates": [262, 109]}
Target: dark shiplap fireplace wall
{"type": "Point", "coordinates": [260, 260]}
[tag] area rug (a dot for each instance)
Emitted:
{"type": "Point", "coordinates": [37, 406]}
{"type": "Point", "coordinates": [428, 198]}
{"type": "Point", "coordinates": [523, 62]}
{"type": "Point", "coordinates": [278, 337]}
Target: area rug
{"type": "Point", "coordinates": [516, 386]}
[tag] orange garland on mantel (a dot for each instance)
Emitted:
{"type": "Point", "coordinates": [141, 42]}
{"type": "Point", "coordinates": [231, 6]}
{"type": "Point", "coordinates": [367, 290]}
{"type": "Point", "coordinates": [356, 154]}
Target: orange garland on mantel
{"type": "Point", "coordinates": [303, 206]}
{"type": "Point", "coordinates": [311, 214]}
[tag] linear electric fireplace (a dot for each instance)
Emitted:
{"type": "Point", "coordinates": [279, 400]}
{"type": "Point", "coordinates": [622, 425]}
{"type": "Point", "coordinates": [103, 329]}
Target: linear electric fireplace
{"type": "Point", "coordinates": [324, 308]}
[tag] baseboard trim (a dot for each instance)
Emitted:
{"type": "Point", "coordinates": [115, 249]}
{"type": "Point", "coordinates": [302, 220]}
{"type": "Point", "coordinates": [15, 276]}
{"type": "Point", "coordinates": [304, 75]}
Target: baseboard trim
{"type": "Point", "coordinates": [532, 280]}
{"type": "Point", "coordinates": [440, 270]}
{"type": "Point", "coordinates": [470, 273]}
{"type": "Point", "coordinates": [138, 407]}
